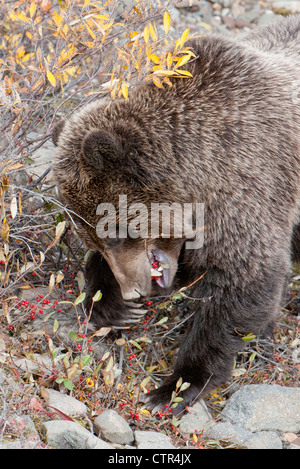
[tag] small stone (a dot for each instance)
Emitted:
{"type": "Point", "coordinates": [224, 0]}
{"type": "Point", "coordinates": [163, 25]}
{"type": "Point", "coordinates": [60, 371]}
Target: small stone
{"type": "Point", "coordinates": [68, 405]}
{"type": "Point", "coordinates": [113, 428]}
{"type": "Point", "coordinates": [231, 433]}
{"type": "Point", "coordinates": [63, 434]}
{"type": "Point", "coordinates": [264, 440]}
{"type": "Point", "coordinates": [152, 440]}
{"type": "Point", "coordinates": [289, 437]}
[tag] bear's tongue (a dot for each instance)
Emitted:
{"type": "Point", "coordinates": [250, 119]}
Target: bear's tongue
{"type": "Point", "coordinates": [159, 268]}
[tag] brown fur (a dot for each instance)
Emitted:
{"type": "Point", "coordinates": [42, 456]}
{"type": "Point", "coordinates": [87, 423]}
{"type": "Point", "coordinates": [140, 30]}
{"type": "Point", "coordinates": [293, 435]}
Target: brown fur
{"type": "Point", "coordinates": [228, 137]}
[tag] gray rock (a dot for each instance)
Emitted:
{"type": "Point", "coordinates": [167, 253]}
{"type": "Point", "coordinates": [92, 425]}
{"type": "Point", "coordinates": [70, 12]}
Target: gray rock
{"type": "Point", "coordinates": [152, 440]}
{"type": "Point", "coordinates": [265, 407]}
{"type": "Point", "coordinates": [231, 433]}
{"type": "Point", "coordinates": [264, 440]}
{"type": "Point", "coordinates": [198, 418]}
{"type": "Point", "coordinates": [290, 5]}
{"type": "Point", "coordinates": [113, 428]}
{"type": "Point", "coordinates": [63, 434]}
{"type": "Point", "coordinates": [267, 18]}
{"type": "Point", "coordinates": [22, 428]}
{"type": "Point", "coordinates": [66, 404]}
{"type": "Point", "coordinates": [36, 362]}
{"type": "Point", "coordinates": [227, 3]}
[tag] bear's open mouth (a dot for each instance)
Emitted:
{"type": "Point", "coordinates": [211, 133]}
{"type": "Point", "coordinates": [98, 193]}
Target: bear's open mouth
{"type": "Point", "coordinates": [159, 267]}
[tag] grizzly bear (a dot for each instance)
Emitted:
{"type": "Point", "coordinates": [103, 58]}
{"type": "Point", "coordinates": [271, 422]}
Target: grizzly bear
{"type": "Point", "coordinates": [227, 138]}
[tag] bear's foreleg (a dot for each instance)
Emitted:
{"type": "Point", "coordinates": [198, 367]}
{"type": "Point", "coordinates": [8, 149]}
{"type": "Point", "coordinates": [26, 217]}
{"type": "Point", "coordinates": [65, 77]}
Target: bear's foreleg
{"type": "Point", "coordinates": [206, 356]}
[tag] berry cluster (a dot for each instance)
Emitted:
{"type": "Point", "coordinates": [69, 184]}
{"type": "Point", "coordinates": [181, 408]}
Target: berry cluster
{"type": "Point", "coordinates": [39, 307]}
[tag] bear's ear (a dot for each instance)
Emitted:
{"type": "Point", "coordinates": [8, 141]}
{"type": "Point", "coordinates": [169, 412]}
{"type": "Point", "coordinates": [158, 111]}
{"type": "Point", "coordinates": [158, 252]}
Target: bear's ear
{"type": "Point", "coordinates": [101, 149]}
{"type": "Point", "coordinates": [56, 131]}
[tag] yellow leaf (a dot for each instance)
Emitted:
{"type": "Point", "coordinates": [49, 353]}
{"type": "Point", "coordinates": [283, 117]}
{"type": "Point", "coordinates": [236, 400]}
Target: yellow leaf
{"type": "Point", "coordinates": [185, 72]}
{"type": "Point", "coordinates": [167, 22]}
{"type": "Point", "coordinates": [195, 438]}
{"type": "Point", "coordinates": [32, 9]}
{"type": "Point", "coordinates": [184, 37]}
{"type": "Point", "coordinates": [56, 18]}
{"type": "Point", "coordinates": [4, 230]}
{"type": "Point", "coordinates": [157, 82]}
{"type": "Point", "coordinates": [101, 17]}
{"type": "Point", "coordinates": [163, 73]}
{"type": "Point", "coordinates": [106, 26]}
{"type": "Point", "coordinates": [20, 205]}
{"type": "Point", "coordinates": [183, 60]}
{"type": "Point", "coordinates": [155, 59]}
{"type": "Point", "coordinates": [64, 31]}
{"type": "Point", "coordinates": [177, 44]}
{"type": "Point", "coordinates": [146, 34]}
{"type": "Point", "coordinates": [23, 17]}
{"type": "Point", "coordinates": [71, 70]}
{"type": "Point", "coordinates": [90, 31]}
{"type": "Point", "coordinates": [124, 90]}
{"type": "Point", "coordinates": [153, 32]}
{"type": "Point", "coordinates": [51, 78]}
{"type": "Point", "coordinates": [16, 166]}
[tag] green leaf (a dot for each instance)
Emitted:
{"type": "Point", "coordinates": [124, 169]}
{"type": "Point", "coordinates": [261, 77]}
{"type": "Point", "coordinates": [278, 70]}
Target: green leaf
{"type": "Point", "coordinates": [59, 380]}
{"type": "Point", "coordinates": [177, 296]}
{"type": "Point", "coordinates": [133, 342]}
{"type": "Point", "coordinates": [72, 335]}
{"type": "Point", "coordinates": [97, 296]}
{"type": "Point", "coordinates": [55, 325]}
{"type": "Point", "coordinates": [85, 360]}
{"type": "Point", "coordinates": [184, 386]}
{"type": "Point", "coordinates": [28, 160]}
{"type": "Point", "coordinates": [80, 299]}
{"type": "Point", "coordinates": [179, 383]}
{"type": "Point", "coordinates": [68, 384]}
{"type": "Point", "coordinates": [175, 421]}
{"type": "Point", "coordinates": [163, 305]}
{"type": "Point", "coordinates": [162, 321]}
{"type": "Point", "coordinates": [178, 399]}
{"type": "Point", "coordinates": [248, 337]}
{"type": "Point", "coordinates": [145, 382]}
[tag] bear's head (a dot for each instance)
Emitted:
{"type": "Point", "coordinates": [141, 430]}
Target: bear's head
{"type": "Point", "coordinates": [109, 187]}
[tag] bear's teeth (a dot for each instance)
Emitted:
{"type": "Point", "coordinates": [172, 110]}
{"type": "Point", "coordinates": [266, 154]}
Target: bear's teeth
{"type": "Point", "coordinates": [155, 273]}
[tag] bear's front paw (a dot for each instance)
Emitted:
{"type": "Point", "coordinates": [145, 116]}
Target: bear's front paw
{"type": "Point", "coordinates": [161, 398]}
